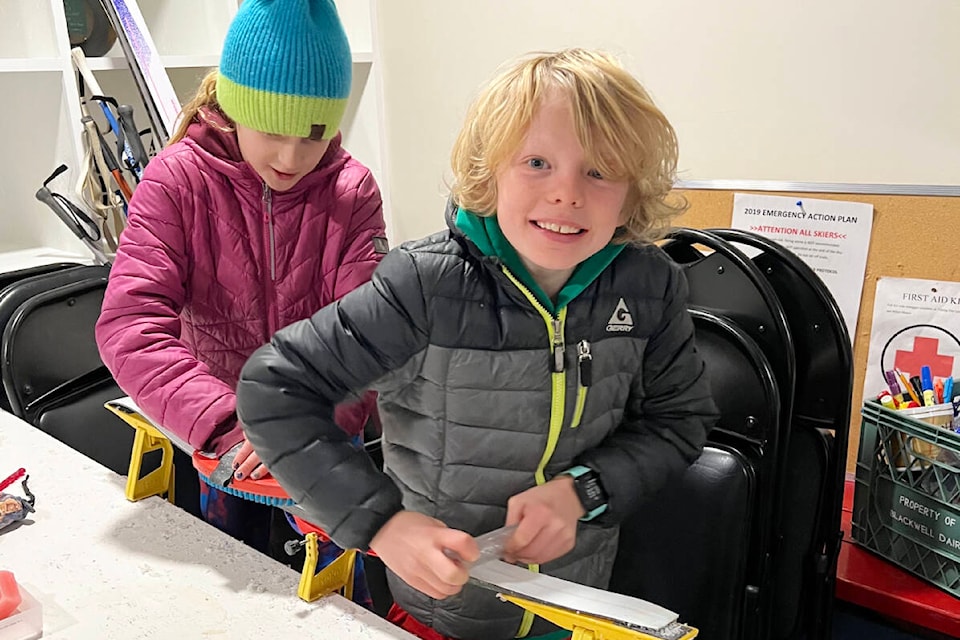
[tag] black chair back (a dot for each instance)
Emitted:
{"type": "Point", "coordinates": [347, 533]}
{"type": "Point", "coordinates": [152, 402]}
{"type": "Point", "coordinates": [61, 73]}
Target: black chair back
{"type": "Point", "coordinates": [47, 332]}
{"type": "Point", "coordinates": [51, 369]}
{"type": "Point", "coordinates": [748, 398]}
{"type": "Point", "coordinates": [818, 444]}
{"type": "Point", "coordinates": [9, 277]}
{"type": "Point", "coordinates": [705, 520]}
{"type": "Point", "coordinates": [723, 279]}
{"type": "Point", "coordinates": [710, 532]}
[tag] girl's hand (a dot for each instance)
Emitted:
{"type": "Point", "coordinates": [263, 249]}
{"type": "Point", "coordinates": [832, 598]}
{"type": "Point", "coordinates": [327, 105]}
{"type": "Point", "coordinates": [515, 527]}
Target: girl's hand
{"type": "Point", "coordinates": [425, 553]}
{"type": "Point", "coordinates": [546, 517]}
{"type": "Point", "coordinates": [247, 464]}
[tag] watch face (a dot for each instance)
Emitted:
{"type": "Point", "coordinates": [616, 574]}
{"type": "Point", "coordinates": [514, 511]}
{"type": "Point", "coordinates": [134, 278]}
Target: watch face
{"type": "Point", "coordinates": [590, 491]}
{"type": "Point", "coordinates": [593, 491]}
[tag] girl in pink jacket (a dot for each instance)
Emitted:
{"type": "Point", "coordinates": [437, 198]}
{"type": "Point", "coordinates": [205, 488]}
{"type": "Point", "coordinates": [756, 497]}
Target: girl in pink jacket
{"type": "Point", "coordinates": [252, 218]}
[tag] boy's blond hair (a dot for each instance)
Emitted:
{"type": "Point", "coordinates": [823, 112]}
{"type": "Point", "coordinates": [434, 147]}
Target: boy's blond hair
{"type": "Point", "coordinates": [206, 96]}
{"type": "Point", "coordinates": [625, 136]}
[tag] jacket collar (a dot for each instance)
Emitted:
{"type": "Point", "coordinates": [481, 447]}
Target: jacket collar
{"type": "Point", "coordinates": [485, 234]}
{"type": "Point", "coordinates": [212, 136]}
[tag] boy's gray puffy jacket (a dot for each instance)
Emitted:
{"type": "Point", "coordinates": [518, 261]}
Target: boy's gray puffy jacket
{"type": "Point", "coordinates": [472, 409]}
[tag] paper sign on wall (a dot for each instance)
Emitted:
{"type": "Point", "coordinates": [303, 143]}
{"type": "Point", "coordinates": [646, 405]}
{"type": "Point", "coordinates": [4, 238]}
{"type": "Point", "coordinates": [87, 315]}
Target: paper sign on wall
{"type": "Point", "coordinates": [830, 236]}
{"type": "Point", "coordinates": [915, 323]}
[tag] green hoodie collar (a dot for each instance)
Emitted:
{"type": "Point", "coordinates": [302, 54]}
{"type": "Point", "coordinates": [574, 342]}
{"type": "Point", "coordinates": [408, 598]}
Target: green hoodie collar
{"type": "Point", "coordinates": [484, 231]}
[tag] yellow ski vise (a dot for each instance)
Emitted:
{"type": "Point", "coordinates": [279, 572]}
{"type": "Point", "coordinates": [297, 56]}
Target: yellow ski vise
{"type": "Point", "coordinates": [586, 627]}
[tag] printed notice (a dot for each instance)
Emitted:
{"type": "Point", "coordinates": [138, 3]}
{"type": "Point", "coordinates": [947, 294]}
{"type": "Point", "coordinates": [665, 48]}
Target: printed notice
{"type": "Point", "coordinates": [921, 518]}
{"type": "Point", "coordinates": [915, 324]}
{"type": "Point", "coordinates": [830, 236]}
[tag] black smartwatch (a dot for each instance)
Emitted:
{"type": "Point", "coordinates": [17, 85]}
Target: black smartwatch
{"type": "Point", "coordinates": [587, 484]}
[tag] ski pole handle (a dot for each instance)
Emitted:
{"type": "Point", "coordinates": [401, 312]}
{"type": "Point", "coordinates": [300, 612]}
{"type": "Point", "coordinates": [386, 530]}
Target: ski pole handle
{"type": "Point", "coordinates": [45, 196]}
{"type": "Point", "coordinates": [124, 150]}
{"type": "Point", "coordinates": [132, 136]}
{"type": "Point", "coordinates": [73, 217]}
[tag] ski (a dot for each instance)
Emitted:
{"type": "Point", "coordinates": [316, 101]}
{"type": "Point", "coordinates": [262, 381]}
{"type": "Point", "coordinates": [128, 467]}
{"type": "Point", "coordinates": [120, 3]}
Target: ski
{"type": "Point", "coordinates": [149, 74]}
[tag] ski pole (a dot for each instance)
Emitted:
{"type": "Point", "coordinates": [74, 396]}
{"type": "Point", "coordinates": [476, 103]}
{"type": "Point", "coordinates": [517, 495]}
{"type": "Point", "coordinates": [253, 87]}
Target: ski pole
{"type": "Point", "coordinates": [104, 157]}
{"type": "Point", "coordinates": [129, 126]}
{"type": "Point", "coordinates": [79, 223]}
{"type": "Point", "coordinates": [92, 191]}
{"type": "Point", "coordinates": [86, 76]}
{"type": "Point", "coordinates": [124, 149]}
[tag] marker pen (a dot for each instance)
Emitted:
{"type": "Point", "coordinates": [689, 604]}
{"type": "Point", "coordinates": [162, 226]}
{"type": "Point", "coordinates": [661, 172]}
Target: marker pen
{"type": "Point", "coordinates": [907, 387]}
{"type": "Point", "coordinates": [887, 400]}
{"type": "Point", "coordinates": [926, 386]}
{"type": "Point", "coordinates": [892, 383]}
{"type": "Point", "coordinates": [956, 414]}
{"type": "Point", "coordinates": [917, 388]}
{"type": "Point", "coordinates": [948, 389]}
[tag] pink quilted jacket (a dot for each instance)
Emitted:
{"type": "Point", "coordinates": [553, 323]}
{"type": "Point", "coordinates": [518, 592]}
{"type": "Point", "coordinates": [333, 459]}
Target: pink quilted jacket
{"type": "Point", "coordinates": [213, 262]}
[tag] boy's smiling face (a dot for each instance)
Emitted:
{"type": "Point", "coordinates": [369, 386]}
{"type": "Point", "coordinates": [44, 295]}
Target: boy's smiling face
{"type": "Point", "coordinates": [554, 208]}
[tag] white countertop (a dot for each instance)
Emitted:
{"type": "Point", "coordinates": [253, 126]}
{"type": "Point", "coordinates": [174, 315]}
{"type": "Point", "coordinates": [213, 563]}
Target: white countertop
{"type": "Point", "coordinates": [105, 568]}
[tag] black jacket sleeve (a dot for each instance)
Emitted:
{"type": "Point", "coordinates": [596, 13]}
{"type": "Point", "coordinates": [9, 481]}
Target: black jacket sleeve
{"type": "Point", "coordinates": [289, 387]}
{"type": "Point", "coordinates": [668, 414]}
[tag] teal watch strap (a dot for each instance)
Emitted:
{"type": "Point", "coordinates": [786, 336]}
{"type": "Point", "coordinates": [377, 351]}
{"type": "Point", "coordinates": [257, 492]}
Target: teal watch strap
{"type": "Point", "coordinates": [575, 473]}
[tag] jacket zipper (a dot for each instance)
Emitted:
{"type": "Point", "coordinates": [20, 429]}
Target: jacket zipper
{"type": "Point", "coordinates": [558, 379]}
{"type": "Point", "coordinates": [273, 315]}
{"type": "Point", "coordinates": [584, 380]}
{"type": "Point", "coordinates": [558, 373]}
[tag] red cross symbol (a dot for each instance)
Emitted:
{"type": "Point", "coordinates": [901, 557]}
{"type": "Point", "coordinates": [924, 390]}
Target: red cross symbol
{"type": "Point", "coordinates": [924, 353]}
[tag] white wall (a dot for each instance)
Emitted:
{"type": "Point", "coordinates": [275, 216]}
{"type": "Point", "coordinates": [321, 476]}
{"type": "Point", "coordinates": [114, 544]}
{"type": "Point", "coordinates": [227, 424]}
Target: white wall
{"type": "Point", "coordinates": [858, 91]}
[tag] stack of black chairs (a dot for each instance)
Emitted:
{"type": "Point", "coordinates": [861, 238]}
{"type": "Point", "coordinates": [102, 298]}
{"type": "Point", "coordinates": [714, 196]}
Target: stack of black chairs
{"type": "Point", "coordinates": [52, 375]}
{"type": "Point", "coordinates": [51, 370]}
{"type": "Point", "coordinates": [745, 544]}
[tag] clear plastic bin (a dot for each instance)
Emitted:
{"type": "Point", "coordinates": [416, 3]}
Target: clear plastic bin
{"type": "Point", "coordinates": [939, 415]}
{"type": "Point", "coordinates": [26, 623]}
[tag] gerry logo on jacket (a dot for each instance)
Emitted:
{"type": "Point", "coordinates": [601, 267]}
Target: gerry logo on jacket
{"type": "Point", "coordinates": [621, 320]}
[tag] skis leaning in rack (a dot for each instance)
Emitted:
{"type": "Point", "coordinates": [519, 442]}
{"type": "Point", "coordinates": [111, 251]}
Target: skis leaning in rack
{"type": "Point", "coordinates": [108, 174]}
{"type": "Point", "coordinates": [149, 74]}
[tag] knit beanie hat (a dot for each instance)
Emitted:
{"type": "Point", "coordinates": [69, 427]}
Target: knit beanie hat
{"type": "Point", "coordinates": [285, 67]}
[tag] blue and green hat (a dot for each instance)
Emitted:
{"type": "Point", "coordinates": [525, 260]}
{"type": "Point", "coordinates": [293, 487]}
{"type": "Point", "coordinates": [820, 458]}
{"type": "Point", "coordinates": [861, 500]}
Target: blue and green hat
{"type": "Point", "coordinates": [285, 68]}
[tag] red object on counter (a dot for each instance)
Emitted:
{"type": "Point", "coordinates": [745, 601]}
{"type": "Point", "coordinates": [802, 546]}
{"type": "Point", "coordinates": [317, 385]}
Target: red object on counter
{"type": "Point", "coordinates": [12, 478]}
{"type": "Point", "coordinates": [10, 597]}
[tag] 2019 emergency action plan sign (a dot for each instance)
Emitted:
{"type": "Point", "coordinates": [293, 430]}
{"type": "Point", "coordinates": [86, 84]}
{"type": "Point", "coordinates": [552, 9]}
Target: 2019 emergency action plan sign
{"type": "Point", "coordinates": [830, 236]}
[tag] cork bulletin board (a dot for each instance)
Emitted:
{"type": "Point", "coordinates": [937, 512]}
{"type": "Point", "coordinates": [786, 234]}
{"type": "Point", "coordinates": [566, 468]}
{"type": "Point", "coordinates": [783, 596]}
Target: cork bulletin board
{"type": "Point", "coordinates": [913, 237]}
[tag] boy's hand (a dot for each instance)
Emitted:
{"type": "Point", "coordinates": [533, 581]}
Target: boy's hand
{"type": "Point", "coordinates": [547, 518]}
{"type": "Point", "coordinates": [413, 545]}
{"type": "Point", "coordinates": [247, 463]}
